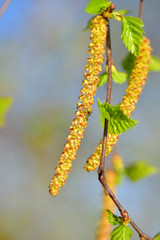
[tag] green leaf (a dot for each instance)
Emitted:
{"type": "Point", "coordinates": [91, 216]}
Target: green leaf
{"type": "Point", "coordinates": [128, 63]}
{"type": "Point", "coordinates": [132, 33]}
{"type": "Point", "coordinates": [139, 170]}
{"type": "Point", "coordinates": [118, 121]}
{"type": "Point", "coordinates": [5, 103]}
{"type": "Point", "coordinates": [118, 77]}
{"type": "Point", "coordinates": [121, 232]}
{"type": "Point", "coordinates": [155, 64]}
{"type": "Point", "coordinates": [157, 237]}
{"type": "Point", "coordinates": [103, 110]}
{"type": "Point", "coordinates": [122, 12]}
{"type": "Point", "coordinates": [97, 6]}
{"type": "Point", "coordinates": [103, 78]}
{"type": "Point", "coordinates": [118, 15]}
{"type": "Point", "coordinates": [113, 219]}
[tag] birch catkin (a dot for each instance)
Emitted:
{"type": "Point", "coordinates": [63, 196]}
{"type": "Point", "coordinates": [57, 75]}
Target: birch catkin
{"type": "Point", "coordinates": [84, 106]}
{"type": "Point", "coordinates": [137, 81]}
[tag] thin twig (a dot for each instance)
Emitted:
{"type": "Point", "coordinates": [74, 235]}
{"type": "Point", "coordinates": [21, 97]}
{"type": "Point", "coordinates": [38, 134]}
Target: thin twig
{"type": "Point", "coordinates": [124, 213]}
{"type": "Point", "coordinates": [141, 9]}
{"type": "Point", "coordinates": [4, 7]}
{"type": "Point", "coordinates": [142, 235]}
{"type": "Point", "coordinates": [115, 200]}
{"type": "Point", "coordinates": [101, 170]}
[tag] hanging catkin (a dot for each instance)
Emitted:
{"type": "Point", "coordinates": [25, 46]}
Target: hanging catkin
{"type": "Point", "coordinates": [137, 81]}
{"type": "Point", "coordinates": [84, 106]}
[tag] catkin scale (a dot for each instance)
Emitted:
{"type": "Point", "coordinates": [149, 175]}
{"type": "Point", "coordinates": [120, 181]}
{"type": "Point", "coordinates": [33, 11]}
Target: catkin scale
{"type": "Point", "coordinates": [84, 106]}
{"type": "Point", "coordinates": [137, 81]}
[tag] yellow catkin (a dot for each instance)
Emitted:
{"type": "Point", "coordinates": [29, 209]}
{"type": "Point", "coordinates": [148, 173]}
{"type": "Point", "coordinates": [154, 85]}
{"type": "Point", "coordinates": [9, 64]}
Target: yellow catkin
{"type": "Point", "coordinates": [84, 106]}
{"type": "Point", "coordinates": [104, 227]}
{"type": "Point", "coordinates": [133, 91]}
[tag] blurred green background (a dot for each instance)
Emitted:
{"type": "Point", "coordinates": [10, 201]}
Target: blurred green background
{"type": "Point", "coordinates": [43, 53]}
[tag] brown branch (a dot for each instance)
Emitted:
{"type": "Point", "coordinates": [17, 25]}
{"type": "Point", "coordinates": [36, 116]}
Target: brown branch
{"type": "Point", "coordinates": [4, 7]}
{"type": "Point", "coordinates": [142, 235]}
{"type": "Point", "coordinates": [141, 9]}
{"type": "Point", "coordinates": [101, 169]}
{"type": "Point", "coordinates": [124, 213]}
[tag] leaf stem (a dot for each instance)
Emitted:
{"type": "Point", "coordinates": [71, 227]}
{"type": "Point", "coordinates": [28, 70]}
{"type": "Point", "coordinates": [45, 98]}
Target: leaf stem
{"type": "Point", "coordinates": [141, 9]}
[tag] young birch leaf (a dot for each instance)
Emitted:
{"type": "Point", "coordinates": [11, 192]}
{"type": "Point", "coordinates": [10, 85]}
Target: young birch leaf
{"type": "Point", "coordinates": [123, 12]}
{"type": "Point", "coordinates": [118, 121]}
{"type": "Point", "coordinates": [132, 33]}
{"type": "Point", "coordinates": [97, 6]}
{"type": "Point", "coordinates": [121, 232]}
{"type": "Point", "coordinates": [103, 110]}
{"type": "Point", "coordinates": [5, 103]}
{"type": "Point", "coordinates": [155, 64]}
{"type": "Point", "coordinates": [113, 219]}
{"type": "Point", "coordinates": [118, 77]}
{"type": "Point", "coordinates": [139, 170]}
{"type": "Point", "coordinates": [128, 63]}
{"type": "Point", "coordinates": [103, 78]}
{"type": "Point", "coordinates": [157, 237]}
{"type": "Point", "coordinates": [118, 15]}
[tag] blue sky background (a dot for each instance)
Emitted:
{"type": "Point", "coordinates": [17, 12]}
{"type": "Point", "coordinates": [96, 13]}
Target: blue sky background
{"type": "Point", "coordinates": [43, 53]}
